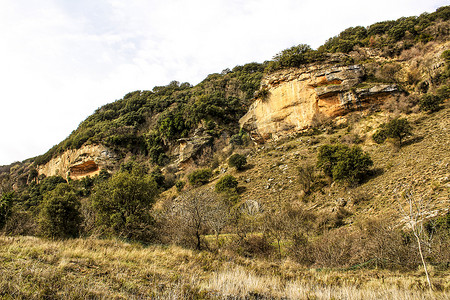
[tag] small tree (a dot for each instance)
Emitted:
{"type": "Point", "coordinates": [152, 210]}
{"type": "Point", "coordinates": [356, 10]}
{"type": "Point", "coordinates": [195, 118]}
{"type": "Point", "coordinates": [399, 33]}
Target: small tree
{"type": "Point", "coordinates": [123, 203]}
{"type": "Point", "coordinates": [380, 135]}
{"type": "Point", "coordinates": [60, 213]}
{"type": "Point", "coordinates": [238, 161]}
{"type": "Point", "coordinates": [201, 209]}
{"type": "Point", "coordinates": [180, 185]}
{"type": "Point", "coordinates": [276, 223]}
{"type": "Point", "coordinates": [343, 163]}
{"type": "Point", "coordinates": [398, 129]}
{"type": "Point", "coordinates": [32, 176]}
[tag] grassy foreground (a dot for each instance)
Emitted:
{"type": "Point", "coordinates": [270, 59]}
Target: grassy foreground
{"type": "Point", "coordinates": [33, 268]}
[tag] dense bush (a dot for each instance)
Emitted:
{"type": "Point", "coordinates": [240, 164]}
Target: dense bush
{"type": "Point", "coordinates": [59, 215]}
{"type": "Point", "coordinates": [346, 40]}
{"type": "Point", "coordinates": [380, 135]}
{"type": "Point", "coordinates": [180, 185]}
{"type": "Point", "coordinates": [200, 177]}
{"type": "Point", "coordinates": [236, 139]}
{"type": "Point", "coordinates": [34, 194]}
{"type": "Point", "coordinates": [123, 204]}
{"type": "Point", "coordinates": [227, 183]}
{"type": "Point", "coordinates": [255, 246]}
{"type": "Point", "coordinates": [238, 161]}
{"type": "Point", "coordinates": [293, 57]}
{"type": "Point", "coordinates": [343, 163]}
{"type": "Point", "coordinates": [391, 36]}
{"type": "Point", "coordinates": [6, 201]}
{"type": "Point", "coordinates": [430, 102]}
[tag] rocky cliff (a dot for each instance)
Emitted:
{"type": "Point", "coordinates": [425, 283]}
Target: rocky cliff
{"type": "Point", "coordinates": [294, 96]}
{"type": "Point", "coordinates": [76, 164]}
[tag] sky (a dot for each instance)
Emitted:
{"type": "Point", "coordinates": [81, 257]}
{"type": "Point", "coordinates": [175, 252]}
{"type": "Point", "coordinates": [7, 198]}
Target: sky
{"type": "Point", "coordinates": [60, 60]}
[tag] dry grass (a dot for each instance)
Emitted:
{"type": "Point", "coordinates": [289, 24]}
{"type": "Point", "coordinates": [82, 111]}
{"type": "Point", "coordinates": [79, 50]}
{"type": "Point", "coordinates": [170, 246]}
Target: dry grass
{"type": "Point", "coordinates": [242, 283]}
{"type": "Point", "coordinates": [32, 268]}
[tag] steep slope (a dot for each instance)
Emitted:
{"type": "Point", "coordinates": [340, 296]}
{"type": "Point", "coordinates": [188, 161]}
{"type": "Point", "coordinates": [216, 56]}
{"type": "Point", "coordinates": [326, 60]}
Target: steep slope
{"type": "Point", "coordinates": [422, 165]}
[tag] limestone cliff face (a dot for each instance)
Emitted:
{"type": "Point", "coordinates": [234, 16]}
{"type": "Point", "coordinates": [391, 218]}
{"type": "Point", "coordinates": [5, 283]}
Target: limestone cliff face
{"type": "Point", "coordinates": [76, 164]}
{"type": "Point", "coordinates": [296, 95]}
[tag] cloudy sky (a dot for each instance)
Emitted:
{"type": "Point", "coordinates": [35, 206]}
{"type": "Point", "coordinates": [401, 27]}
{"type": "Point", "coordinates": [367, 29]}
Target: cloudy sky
{"type": "Point", "coordinates": [62, 59]}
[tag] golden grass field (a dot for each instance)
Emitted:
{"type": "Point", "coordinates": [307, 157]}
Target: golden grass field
{"type": "Point", "coordinates": [34, 268]}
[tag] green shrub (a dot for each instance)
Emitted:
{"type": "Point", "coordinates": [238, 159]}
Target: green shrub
{"type": "Point", "coordinates": [379, 136]}
{"type": "Point", "coordinates": [430, 102]}
{"type": "Point", "coordinates": [262, 94]}
{"type": "Point", "coordinates": [443, 92]}
{"type": "Point", "coordinates": [60, 216]}
{"type": "Point", "coordinates": [123, 204]}
{"type": "Point", "coordinates": [236, 139]}
{"type": "Point", "coordinates": [227, 183]}
{"type": "Point", "coordinates": [180, 185]}
{"type": "Point", "coordinates": [200, 177]}
{"type": "Point", "coordinates": [6, 201]}
{"type": "Point", "coordinates": [343, 163]}
{"type": "Point", "coordinates": [238, 161]}
{"type": "Point", "coordinates": [158, 177]}
{"type": "Point", "coordinates": [293, 57]}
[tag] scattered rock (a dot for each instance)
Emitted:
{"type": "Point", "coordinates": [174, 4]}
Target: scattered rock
{"type": "Point", "coordinates": [341, 202]}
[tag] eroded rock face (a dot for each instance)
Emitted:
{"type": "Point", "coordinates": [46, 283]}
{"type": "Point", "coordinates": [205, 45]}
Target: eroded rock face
{"type": "Point", "coordinates": [296, 95]}
{"type": "Point", "coordinates": [76, 164]}
{"type": "Point", "coordinates": [189, 148]}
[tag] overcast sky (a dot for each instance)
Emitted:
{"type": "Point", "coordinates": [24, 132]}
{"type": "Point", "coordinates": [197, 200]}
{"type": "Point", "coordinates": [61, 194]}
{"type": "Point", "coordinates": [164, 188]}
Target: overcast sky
{"type": "Point", "coordinates": [62, 59]}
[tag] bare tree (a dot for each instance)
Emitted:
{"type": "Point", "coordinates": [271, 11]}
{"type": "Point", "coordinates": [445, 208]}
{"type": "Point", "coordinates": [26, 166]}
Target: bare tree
{"type": "Point", "coordinates": [202, 209]}
{"type": "Point", "coordinates": [415, 213]}
{"type": "Point", "coordinates": [218, 216]}
{"type": "Point", "coordinates": [306, 176]}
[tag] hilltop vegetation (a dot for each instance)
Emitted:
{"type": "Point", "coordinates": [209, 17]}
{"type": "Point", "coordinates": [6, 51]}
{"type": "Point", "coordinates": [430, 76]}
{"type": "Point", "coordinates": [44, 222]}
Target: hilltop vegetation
{"type": "Point", "coordinates": [146, 122]}
{"type": "Point", "coordinates": [324, 206]}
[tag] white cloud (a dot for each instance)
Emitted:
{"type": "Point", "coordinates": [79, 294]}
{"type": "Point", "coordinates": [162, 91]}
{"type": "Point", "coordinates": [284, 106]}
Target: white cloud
{"type": "Point", "coordinates": [62, 59]}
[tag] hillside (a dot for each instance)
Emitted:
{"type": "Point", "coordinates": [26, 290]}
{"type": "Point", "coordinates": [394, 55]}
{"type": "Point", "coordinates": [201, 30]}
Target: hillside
{"type": "Point", "coordinates": [332, 160]}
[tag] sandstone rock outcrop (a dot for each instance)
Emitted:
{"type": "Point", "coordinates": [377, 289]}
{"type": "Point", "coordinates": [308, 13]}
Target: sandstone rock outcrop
{"type": "Point", "coordinates": [189, 148]}
{"type": "Point", "coordinates": [76, 164]}
{"type": "Point", "coordinates": [294, 96]}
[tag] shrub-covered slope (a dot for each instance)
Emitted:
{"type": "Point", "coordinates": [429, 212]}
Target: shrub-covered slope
{"type": "Point", "coordinates": [146, 122]}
